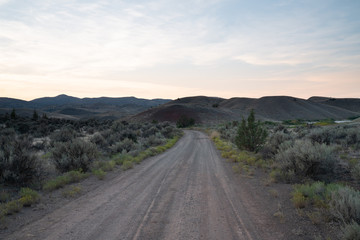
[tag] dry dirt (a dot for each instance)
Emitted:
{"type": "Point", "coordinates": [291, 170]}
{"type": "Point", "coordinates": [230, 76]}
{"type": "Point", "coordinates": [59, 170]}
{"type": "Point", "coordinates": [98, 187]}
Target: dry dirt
{"type": "Point", "coordinates": [188, 192]}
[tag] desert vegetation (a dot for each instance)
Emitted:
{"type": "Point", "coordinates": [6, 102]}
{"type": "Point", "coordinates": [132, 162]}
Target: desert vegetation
{"type": "Point", "coordinates": [185, 121]}
{"type": "Point", "coordinates": [321, 160]}
{"type": "Point", "coordinates": [40, 154]}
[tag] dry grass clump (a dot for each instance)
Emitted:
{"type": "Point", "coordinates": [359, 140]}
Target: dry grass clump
{"type": "Point", "coordinates": [72, 191]}
{"type": "Point", "coordinates": [62, 180]}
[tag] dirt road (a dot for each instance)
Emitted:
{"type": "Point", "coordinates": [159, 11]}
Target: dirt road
{"type": "Point", "coordinates": [188, 192]}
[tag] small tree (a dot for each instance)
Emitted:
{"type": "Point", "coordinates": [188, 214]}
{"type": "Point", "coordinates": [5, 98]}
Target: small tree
{"type": "Point", "coordinates": [251, 135]}
{"type": "Point", "coordinates": [35, 116]}
{"type": "Point", "coordinates": [184, 121]}
{"type": "Point", "coordinates": [13, 114]}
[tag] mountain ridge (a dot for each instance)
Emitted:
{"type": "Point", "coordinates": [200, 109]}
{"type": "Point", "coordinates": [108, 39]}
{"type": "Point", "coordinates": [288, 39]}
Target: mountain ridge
{"type": "Point", "coordinates": [278, 108]}
{"type": "Point", "coordinates": [203, 109]}
{"type": "Point", "coordinates": [81, 108]}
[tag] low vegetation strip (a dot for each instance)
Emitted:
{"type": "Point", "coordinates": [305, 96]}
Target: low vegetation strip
{"type": "Point", "coordinates": [48, 154]}
{"type": "Point", "coordinates": [321, 160]}
{"type": "Point", "coordinates": [126, 160]}
{"type": "Point", "coordinates": [330, 202]}
{"type": "Point", "coordinates": [245, 161]}
{"type": "Point", "coordinates": [100, 168]}
{"type": "Point", "coordinates": [66, 178]}
{"type": "Point", "coordinates": [27, 198]}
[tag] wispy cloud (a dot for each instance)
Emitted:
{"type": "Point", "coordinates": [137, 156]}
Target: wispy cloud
{"type": "Point", "coordinates": [109, 39]}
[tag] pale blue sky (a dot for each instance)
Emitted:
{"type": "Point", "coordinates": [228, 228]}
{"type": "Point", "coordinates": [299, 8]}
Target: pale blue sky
{"type": "Point", "coordinates": [170, 48]}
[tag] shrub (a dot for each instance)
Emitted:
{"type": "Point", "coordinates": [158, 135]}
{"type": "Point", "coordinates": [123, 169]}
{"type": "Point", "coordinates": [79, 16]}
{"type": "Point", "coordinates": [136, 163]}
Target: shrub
{"type": "Point", "coordinates": [273, 144]}
{"type": "Point", "coordinates": [149, 132]}
{"type": "Point", "coordinates": [28, 197]}
{"type": "Point", "coordinates": [66, 134]}
{"type": "Point", "coordinates": [154, 140]}
{"type": "Point", "coordinates": [168, 132]}
{"type": "Point", "coordinates": [105, 165]}
{"type": "Point", "coordinates": [315, 217]}
{"type": "Point", "coordinates": [342, 135]}
{"type": "Point", "coordinates": [305, 159]}
{"type": "Point", "coordinates": [251, 135]}
{"type": "Point", "coordinates": [298, 200]}
{"type": "Point", "coordinates": [18, 165]}
{"type": "Point", "coordinates": [99, 140]}
{"type": "Point", "coordinates": [99, 173]}
{"type": "Point", "coordinates": [12, 207]}
{"type": "Point", "coordinates": [345, 204]}
{"type": "Point", "coordinates": [120, 158]}
{"type": "Point", "coordinates": [351, 231]}
{"type": "Point", "coordinates": [74, 155]}
{"type": "Point", "coordinates": [126, 165]}
{"type": "Point", "coordinates": [4, 196]}
{"type": "Point", "coordinates": [185, 121]}
{"type": "Point", "coordinates": [126, 144]}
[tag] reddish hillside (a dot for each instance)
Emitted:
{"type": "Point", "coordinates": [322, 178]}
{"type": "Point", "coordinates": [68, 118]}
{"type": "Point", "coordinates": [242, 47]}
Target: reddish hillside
{"type": "Point", "coordinates": [213, 110]}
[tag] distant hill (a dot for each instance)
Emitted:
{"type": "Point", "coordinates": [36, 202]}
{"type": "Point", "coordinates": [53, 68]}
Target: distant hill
{"type": "Point", "coordinates": [278, 108]}
{"type": "Point", "coordinates": [352, 104]}
{"type": "Point", "coordinates": [64, 106]}
{"type": "Point", "coordinates": [203, 109]}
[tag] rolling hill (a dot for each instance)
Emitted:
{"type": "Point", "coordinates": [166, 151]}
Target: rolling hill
{"type": "Point", "coordinates": [69, 107]}
{"type": "Point", "coordinates": [212, 110]}
{"type": "Point", "coordinates": [352, 104]}
{"type": "Point", "coordinates": [203, 109]}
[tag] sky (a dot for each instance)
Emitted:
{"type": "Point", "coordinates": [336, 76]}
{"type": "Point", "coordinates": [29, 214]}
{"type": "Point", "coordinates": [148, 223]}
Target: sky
{"type": "Point", "coordinates": [171, 48]}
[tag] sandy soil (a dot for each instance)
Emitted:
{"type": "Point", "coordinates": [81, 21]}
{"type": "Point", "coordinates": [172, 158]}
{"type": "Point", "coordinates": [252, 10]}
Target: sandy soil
{"type": "Point", "coordinates": [188, 192]}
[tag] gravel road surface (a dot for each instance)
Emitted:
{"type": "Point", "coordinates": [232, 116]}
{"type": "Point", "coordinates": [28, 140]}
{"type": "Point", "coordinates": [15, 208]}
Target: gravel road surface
{"type": "Point", "coordinates": [188, 192]}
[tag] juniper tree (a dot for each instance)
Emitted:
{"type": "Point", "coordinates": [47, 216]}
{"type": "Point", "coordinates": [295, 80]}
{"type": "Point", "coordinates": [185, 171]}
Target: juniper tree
{"type": "Point", "coordinates": [35, 116]}
{"type": "Point", "coordinates": [13, 114]}
{"type": "Point", "coordinates": [251, 135]}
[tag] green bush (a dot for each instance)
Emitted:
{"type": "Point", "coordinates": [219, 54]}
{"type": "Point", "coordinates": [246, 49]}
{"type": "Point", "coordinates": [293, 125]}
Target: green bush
{"type": "Point", "coordinates": [99, 173]}
{"type": "Point", "coordinates": [127, 165]}
{"type": "Point", "coordinates": [105, 165]}
{"type": "Point", "coordinates": [305, 159]}
{"type": "Point", "coordinates": [28, 196]}
{"type": "Point", "coordinates": [299, 200]}
{"type": "Point", "coordinates": [185, 121]}
{"type": "Point", "coordinates": [74, 155]}
{"type": "Point", "coordinates": [12, 207]}
{"type": "Point", "coordinates": [4, 196]}
{"type": "Point", "coordinates": [251, 135]}
{"type": "Point", "coordinates": [120, 158]}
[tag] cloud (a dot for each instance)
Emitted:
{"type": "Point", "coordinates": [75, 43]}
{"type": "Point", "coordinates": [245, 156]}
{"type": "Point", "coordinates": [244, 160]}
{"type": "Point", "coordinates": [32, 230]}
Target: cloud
{"type": "Point", "coordinates": [113, 40]}
{"type": "Point", "coordinates": [3, 2]}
